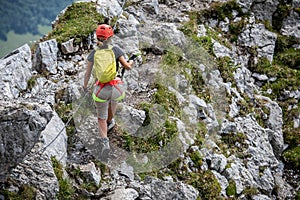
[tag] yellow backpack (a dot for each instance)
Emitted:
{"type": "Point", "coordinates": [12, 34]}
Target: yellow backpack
{"type": "Point", "coordinates": [104, 65]}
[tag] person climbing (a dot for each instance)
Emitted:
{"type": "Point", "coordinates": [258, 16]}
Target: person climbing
{"type": "Point", "coordinates": [109, 89]}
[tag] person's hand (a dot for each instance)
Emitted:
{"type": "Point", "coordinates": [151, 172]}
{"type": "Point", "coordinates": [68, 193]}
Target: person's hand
{"type": "Point", "coordinates": [131, 62]}
{"type": "Point", "coordinates": [137, 56]}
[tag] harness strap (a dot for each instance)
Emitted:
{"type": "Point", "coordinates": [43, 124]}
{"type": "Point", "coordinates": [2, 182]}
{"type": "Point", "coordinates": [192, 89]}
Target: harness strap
{"type": "Point", "coordinates": [114, 83]}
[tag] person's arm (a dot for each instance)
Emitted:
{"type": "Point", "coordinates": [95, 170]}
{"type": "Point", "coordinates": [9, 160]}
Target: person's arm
{"type": "Point", "coordinates": [128, 65]}
{"type": "Point", "coordinates": [87, 75]}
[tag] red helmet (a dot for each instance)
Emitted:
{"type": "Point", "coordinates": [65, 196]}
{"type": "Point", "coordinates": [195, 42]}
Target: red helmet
{"type": "Point", "coordinates": [105, 31]}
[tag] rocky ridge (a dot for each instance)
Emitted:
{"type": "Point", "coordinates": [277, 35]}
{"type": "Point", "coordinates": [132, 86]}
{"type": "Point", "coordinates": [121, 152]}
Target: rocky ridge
{"type": "Point", "coordinates": [35, 83]}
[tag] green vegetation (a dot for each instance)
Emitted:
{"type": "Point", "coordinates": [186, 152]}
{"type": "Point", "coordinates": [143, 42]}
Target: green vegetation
{"type": "Point", "coordinates": [235, 143]}
{"type": "Point", "coordinates": [297, 197]}
{"type": "Point", "coordinates": [292, 156]}
{"type": "Point", "coordinates": [86, 184]}
{"type": "Point", "coordinates": [232, 138]}
{"type": "Point", "coordinates": [196, 158]}
{"type": "Point", "coordinates": [220, 11]}
{"type": "Point", "coordinates": [205, 42]}
{"type": "Point", "coordinates": [226, 68]}
{"type": "Point", "coordinates": [291, 134]}
{"type": "Point", "coordinates": [285, 67]}
{"type": "Point", "coordinates": [25, 192]}
{"type": "Point", "coordinates": [231, 188]}
{"type": "Point", "coordinates": [235, 28]}
{"type": "Point", "coordinates": [63, 110]}
{"type": "Point", "coordinates": [286, 60]}
{"type": "Point", "coordinates": [153, 143]}
{"type": "Point", "coordinates": [66, 191]}
{"type": "Point", "coordinates": [206, 183]}
{"type": "Point", "coordinates": [281, 13]}
{"type": "Point", "coordinates": [167, 99]}
{"type": "Point", "coordinates": [249, 192]}
{"type": "Point", "coordinates": [78, 21]}
{"type": "Point", "coordinates": [31, 82]}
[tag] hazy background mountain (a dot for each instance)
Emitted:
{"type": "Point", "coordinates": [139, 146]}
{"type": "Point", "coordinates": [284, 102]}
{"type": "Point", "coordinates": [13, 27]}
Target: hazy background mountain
{"type": "Point", "coordinates": [23, 21]}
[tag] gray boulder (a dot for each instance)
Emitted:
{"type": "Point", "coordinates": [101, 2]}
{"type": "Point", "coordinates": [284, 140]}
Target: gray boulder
{"type": "Point", "coordinates": [20, 127]}
{"type": "Point", "coordinates": [15, 70]}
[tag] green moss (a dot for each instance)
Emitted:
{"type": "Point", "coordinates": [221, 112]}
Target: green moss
{"type": "Point", "coordinates": [196, 158]}
{"type": "Point", "coordinates": [221, 10]}
{"type": "Point", "coordinates": [201, 131]}
{"type": "Point", "coordinates": [231, 188]}
{"type": "Point", "coordinates": [226, 68]}
{"type": "Point", "coordinates": [103, 168]}
{"type": "Point", "coordinates": [66, 191]}
{"type": "Point", "coordinates": [190, 27]}
{"type": "Point", "coordinates": [206, 183]}
{"type": "Point", "coordinates": [176, 169]}
{"type": "Point", "coordinates": [31, 82]}
{"type": "Point", "coordinates": [291, 134]}
{"type": "Point", "coordinates": [249, 192]}
{"type": "Point", "coordinates": [290, 58]}
{"type": "Point", "coordinates": [287, 78]}
{"type": "Point", "coordinates": [292, 156]}
{"type": "Point", "coordinates": [235, 28]}
{"type": "Point", "coordinates": [232, 138]}
{"type": "Point", "coordinates": [264, 66]}
{"type": "Point", "coordinates": [163, 136]}
{"type": "Point", "coordinates": [205, 42]}
{"type": "Point", "coordinates": [25, 192]}
{"type": "Point", "coordinates": [167, 99]}
{"type": "Point", "coordinates": [284, 43]}
{"type": "Point", "coordinates": [63, 110]}
{"type": "Point", "coordinates": [76, 173]}
{"type": "Point", "coordinates": [79, 20]}
{"type": "Point", "coordinates": [58, 170]}
{"type": "Point", "coordinates": [282, 11]}
{"type": "Point", "coordinates": [147, 108]}
{"type": "Point", "coordinates": [229, 143]}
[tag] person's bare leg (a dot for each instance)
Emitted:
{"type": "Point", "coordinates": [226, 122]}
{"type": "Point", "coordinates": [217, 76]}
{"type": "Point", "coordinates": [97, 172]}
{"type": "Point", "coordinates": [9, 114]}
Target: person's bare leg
{"type": "Point", "coordinates": [111, 111]}
{"type": "Point", "coordinates": [102, 126]}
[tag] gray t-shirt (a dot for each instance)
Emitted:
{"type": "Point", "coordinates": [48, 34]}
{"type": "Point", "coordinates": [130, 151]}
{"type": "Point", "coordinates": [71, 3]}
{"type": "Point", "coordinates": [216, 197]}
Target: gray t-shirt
{"type": "Point", "coordinates": [117, 51]}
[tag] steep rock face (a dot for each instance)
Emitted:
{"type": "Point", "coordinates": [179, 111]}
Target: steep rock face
{"type": "Point", "coordinates": [256, 36]}
{"type": "Point", "coordinates": [21, 125]}
{"type": "Point", "coordinates": [29, 126]}
{"type": "Point", "coordinates": [46, 57]}
{"type": "Point", "coordinates": [153, 26]}
{"type": "Point", "coordinates": [16, 70]}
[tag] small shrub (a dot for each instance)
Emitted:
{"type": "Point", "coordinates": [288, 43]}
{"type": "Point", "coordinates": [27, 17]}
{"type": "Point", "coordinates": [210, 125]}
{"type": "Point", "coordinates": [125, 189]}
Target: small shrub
{"type": "Point", "coordinates": [196, 158]}
{"type": "Point", "coordinates": [282, 11]}
{"type": "Point", "coordinates": [206, 183]}
{"type": "Point", "coordinates": [25, 192]}
{"type": "Point", "coordinates": [31, 82]}
{"type": "Point", "coordinates": [167, 99]}
{"type": "Point", "coordinates": [292, 156]}
{"type": "Point", "coordinates": [231, 188]}
{"type": "Point", "coordinates": [78, 21]}
{"type": "Point", "coordinates": [66, 191]}
{"type": "Point", "coordinates": [250, 192]}
{"type": "Point", "coordinates": [227, 69]}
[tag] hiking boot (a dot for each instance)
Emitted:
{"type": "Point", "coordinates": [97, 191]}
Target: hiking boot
{"type": "Point", "coordinates": [111, 125]}
{"type": "Point", "coordinates": [105, 149]}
